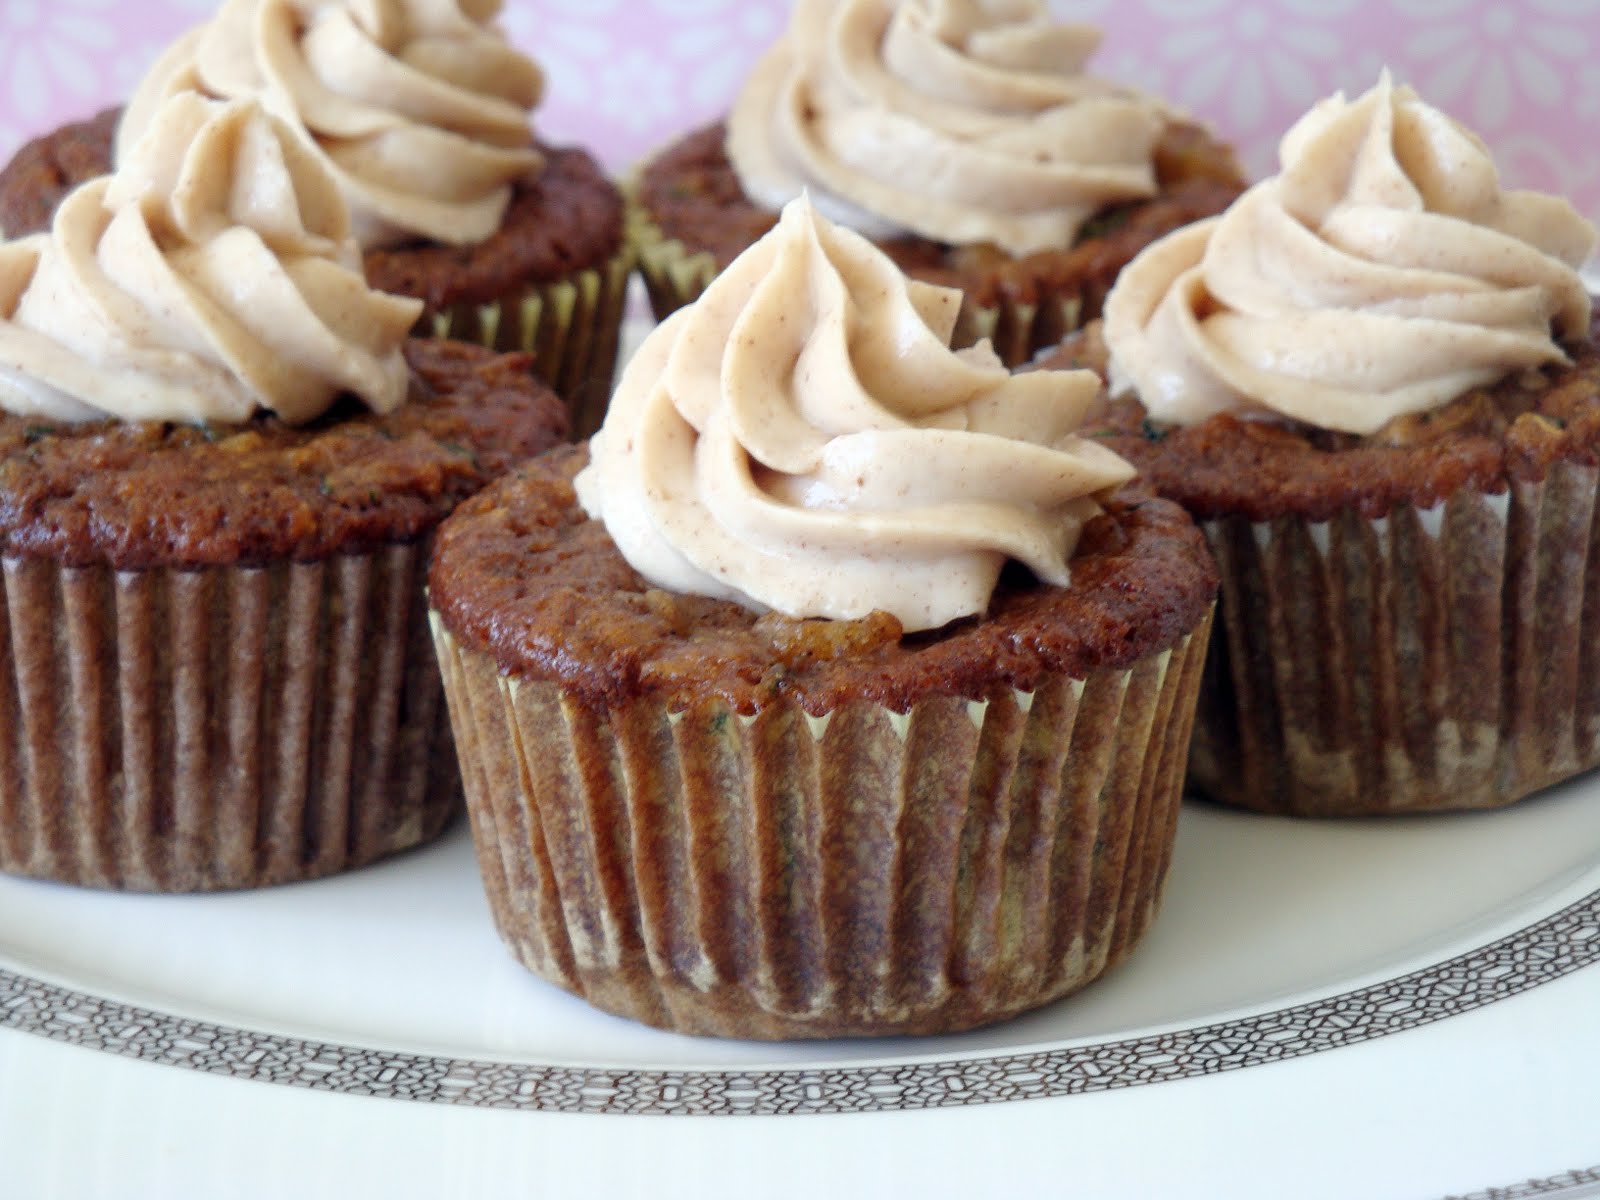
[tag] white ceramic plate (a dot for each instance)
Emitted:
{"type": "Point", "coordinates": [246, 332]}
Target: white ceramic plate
{"type": "Point", "coordinates": [1264, 921]}
{"type": "Point", "coordinates": [1278, 941]}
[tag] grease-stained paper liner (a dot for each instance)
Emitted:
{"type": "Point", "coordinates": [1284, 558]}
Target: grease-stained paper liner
{"type": "Point", "coordinates": [572, 325]}
{"type": "Point", "coordinates": [1445, 658]}
{"type": "Point", "coordinates": [186, 730]}
{"type": "Point", "coordinates": [674, 277]}
{"type": "Point", "coordinates": [864, 873]}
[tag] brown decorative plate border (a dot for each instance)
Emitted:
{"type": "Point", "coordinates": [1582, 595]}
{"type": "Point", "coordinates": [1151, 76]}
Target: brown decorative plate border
{"type": "Point", "coordinates": [1539, 953]}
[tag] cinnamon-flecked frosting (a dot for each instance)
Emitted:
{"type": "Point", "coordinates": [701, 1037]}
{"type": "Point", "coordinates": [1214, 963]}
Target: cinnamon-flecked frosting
{"type": "Point", "coordinates": [962, 121]}
{"type": "Point", "coordinates": [212, 275]}
{"type": "Point", "coordinates": [803, 439]}
{"type": "Point", "coordinates": [1382, 272]}
{"type": "Point", "coordinates": [420, 108]}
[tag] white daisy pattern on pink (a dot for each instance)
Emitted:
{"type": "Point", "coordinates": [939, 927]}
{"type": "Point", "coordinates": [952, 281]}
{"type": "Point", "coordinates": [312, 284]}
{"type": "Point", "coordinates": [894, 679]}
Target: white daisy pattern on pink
{"type": "Point", "coordinates": [626, 76]}
{"type": "Point", "coordinates": [50, 54]}
{"type": "Point", "coordinates": [571, 42]}
{"type": "Point", "coordinates": [1243, 64]}
{"type": "Point", "coordinates": [713, 45]}
{"type": "Point", "coordinates": [1489, 64]}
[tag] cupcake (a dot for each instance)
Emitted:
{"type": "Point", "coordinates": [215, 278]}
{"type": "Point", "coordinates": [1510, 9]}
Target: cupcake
{"type": "Point", "coordinates": [1375, 382]}
{"type": "Point", "coordinates": [836, 688]}
{"type": "Point", "coordinates": [221, 466]}
{"type": "Point", "coordinates": [967, 141]}
{"type": "Point", "coordinates": [421, 112]}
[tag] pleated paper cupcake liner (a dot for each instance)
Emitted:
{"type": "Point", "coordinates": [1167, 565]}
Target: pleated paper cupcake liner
{"type": "Point", "coordinates": [675, 277]}
{"type": "Point", "coordinates": [228, 727]}
{"type": "Point", "coordinates": [572, 326]}
{"type": "Point", "coordinates": [863, 873]}
{"type": "Point", "coordinates": [1443, 658]}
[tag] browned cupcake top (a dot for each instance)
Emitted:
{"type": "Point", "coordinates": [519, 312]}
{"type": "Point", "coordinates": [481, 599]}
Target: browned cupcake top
{"type": "Point", "coordinates": [1515, 429]}
{"type": "Point", "coordinates": [135, 495]}
{"type": "Point", "coordinates": [521, 573]}
{"type": "Point", "coordinates": [566, 219]}
{"type": "Point", "coordinates": [693, 193]}
{"type": "Point", "coordinates": [40, 174]}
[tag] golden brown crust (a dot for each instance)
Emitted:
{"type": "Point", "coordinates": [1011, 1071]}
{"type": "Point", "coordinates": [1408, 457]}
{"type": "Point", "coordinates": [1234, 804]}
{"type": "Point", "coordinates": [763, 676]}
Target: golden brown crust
{"type": "Point", "coordinates": [41, 173]}
{"type": "Point", "coordinates": [1514, 430]}
{"type": "Point", "coordinates": [692, 193]}
{"type": "Point", "coordinates": [524, 575]}
{"type": "Point", "coordinates": [135, 495]}
{"type": "Point", "coordinates": [565, 219]}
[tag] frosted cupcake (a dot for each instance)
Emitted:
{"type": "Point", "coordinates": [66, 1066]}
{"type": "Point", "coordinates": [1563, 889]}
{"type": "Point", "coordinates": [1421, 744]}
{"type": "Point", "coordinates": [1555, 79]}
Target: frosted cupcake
{"type": "Point", "coordinates": [421, 112]}
{"type": "Point", "coordinates": [221, 464]}
{"type": "Point", "coordinates": [968, 141]}
{"type": "Point", "coordinates": [837, 688]}
{"type": "Point", "coordinates": [1375, 382]}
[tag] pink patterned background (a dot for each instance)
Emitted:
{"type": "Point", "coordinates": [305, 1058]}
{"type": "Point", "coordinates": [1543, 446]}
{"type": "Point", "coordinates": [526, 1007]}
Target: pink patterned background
{"type": "Point", "coordinates": [625, 76]}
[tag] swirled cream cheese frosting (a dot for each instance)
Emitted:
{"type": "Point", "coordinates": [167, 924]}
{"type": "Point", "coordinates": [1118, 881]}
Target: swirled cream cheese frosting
{"type": "Point", "coordinates": [419, 107]}
{"type": "Point", "coordinates": [212, 275]}
{"type": "Point", "coordinates": [962, 121]}
{"type": "Point", "coordinates": [1382, 272]}
{"type": "Point", "coordinates": [803, 439]}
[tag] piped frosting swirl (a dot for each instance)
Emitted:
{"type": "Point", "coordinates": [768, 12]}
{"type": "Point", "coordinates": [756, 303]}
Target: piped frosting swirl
{"type": "Point", "coordinates": [212, 275]}
{"type": "Point", "coordinates": [803, 439]}
{"type": "Point", "coordinates": [419, 107]}
{"type": "Point", "coordinates": [962, 121]}
{"type": "Point", "coordinates": [1382, 272]}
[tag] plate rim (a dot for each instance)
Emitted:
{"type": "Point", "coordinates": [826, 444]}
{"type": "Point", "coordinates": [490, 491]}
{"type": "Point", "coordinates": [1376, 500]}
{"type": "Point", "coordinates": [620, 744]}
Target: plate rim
{"type": "Point", "coordinates": [1548, 948]}
{"type": "Point", "coordinates": [1583, 1181]}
